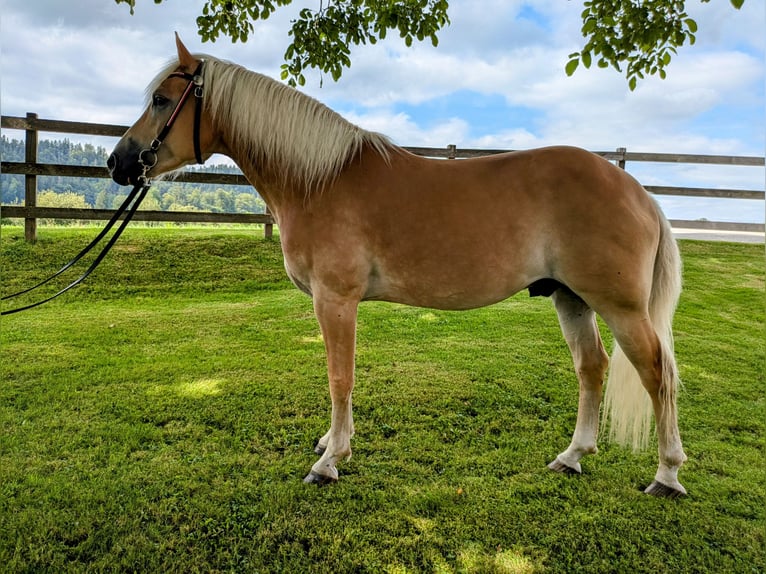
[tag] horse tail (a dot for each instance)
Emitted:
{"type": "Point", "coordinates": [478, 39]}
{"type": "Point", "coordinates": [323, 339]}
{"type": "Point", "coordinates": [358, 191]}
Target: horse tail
{"type": "Point", "coordinates": [627, 405]}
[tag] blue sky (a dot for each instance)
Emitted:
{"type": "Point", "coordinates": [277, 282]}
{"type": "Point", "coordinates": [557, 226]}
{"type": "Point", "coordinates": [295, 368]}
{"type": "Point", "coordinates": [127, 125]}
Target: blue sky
{"type": "Point", "coordinates": [496, 81]}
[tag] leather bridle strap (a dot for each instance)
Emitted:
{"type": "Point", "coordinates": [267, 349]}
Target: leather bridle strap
{"type": "Point", "coordinates": [148, 157]}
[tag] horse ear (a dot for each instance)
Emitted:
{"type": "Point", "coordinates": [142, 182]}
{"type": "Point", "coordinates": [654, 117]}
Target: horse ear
{"type": "Point", "coordinates": [185, 58]}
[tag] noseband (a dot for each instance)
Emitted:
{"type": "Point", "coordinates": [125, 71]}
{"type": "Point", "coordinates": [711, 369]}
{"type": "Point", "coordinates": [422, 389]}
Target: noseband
{"type": "Point", "coordinates": [148, 159]}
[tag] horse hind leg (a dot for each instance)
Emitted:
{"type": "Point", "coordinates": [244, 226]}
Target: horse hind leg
{"type": "Point", "coordinates": [654, 369]}
{"type": "Point", "coordinates": [578, 324]}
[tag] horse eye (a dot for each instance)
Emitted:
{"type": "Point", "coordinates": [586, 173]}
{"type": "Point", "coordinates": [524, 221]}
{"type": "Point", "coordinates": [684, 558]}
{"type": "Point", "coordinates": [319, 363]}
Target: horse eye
{"type": "Point", "coordinates": [158, 101]}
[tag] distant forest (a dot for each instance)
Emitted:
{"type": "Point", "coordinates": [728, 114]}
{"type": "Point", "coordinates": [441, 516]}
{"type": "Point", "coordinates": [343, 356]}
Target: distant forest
{"type": "Point", "coordinates": [86, 192]}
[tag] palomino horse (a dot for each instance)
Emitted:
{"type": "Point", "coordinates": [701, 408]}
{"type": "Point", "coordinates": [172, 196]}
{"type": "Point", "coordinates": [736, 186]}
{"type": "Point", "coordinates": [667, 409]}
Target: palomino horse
{"type": "Point", "coordinates": [362, 219]}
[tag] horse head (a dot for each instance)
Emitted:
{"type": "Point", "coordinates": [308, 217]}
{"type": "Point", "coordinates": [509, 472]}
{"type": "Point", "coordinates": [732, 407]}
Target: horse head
{"type": "Point", "coordinates": [174, 130]}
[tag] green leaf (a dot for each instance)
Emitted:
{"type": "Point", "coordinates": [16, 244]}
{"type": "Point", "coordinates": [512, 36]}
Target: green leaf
{"type": "Point", "coordinates": [737, 3]}
{"type": "Point", "coordinates": [586, 59]}
{"type": "Point", "coordinates": [589, 25]}
{"type": "Point", "coordinates": [691, 24]}
{"type": "Point", "coordinates": [572, 66]}
{"type": "Point", "coordinates": [632, 83]}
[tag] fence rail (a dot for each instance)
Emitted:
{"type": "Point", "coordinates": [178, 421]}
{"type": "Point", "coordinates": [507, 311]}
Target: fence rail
{"type": "Point", "coordinates": [31, 169]}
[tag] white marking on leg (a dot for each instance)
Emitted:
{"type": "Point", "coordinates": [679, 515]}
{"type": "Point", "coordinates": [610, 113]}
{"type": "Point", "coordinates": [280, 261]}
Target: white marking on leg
{"type": "Point", "coordinates": [578, 324]}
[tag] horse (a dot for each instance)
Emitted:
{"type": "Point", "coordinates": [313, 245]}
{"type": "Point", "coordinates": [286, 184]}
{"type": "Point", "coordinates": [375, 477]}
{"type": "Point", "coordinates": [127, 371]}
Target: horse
{"type": "Point", "coordinates": [362, 219]}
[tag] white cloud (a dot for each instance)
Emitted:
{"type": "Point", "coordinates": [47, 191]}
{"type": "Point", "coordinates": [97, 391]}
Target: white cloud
{"type": "Point", "coordinates": [404, 131]}
{"type": "Point", "coordinates": [518, 138]}
{"type": "Point", "coordinates": [720, 26]}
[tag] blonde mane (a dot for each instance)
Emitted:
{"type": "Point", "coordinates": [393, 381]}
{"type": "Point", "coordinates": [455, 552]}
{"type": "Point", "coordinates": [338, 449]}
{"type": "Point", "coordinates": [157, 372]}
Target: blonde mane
{"type": "Point", "coordinates": [305, 140]}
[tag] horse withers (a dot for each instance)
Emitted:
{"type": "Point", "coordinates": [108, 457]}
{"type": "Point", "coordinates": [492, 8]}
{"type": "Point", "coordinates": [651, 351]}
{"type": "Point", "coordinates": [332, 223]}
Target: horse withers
{"type": "Point", "coordinates": [362, 219]}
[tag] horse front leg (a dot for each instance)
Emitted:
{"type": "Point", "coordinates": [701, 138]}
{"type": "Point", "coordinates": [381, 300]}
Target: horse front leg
{"type": "Point", "coordinates": [337, 320]}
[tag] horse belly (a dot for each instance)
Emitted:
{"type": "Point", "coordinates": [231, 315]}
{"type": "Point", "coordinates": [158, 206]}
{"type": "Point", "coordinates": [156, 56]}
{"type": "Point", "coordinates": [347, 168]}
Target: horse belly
{"type": "Point", "coordinates": [449, 253]}
{"type": "Point", "coordinates": [450, 279]}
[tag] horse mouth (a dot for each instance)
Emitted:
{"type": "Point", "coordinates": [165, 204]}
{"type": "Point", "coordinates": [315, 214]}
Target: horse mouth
{"type": "Point", "coordinates": [123, 164]}
{"type": "Point", "coordinates": [121, 179]}
{"type": "Point", "coordinates": [120, 175]}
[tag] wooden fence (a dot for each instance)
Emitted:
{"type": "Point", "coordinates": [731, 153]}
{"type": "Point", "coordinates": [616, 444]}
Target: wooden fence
{"type": "Point", "coordinates": [31, 169]}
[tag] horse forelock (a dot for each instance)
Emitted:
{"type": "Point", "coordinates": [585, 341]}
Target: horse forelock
{"type": "Point", "coordinates": [305, 141]}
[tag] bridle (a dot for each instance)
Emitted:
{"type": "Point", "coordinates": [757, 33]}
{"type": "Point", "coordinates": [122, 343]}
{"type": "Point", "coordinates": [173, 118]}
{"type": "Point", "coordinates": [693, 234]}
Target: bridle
{"type": "Point", "coordinates": [147, 158]}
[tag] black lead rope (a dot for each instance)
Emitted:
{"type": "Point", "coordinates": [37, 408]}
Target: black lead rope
{"type": "Point", "coordinates": [138, 194]}
{"type": "Point", "coordinates": [99, 237]}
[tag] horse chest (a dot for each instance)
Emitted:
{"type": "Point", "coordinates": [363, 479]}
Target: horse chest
{"type": "Point", "coordinates": [300, 277]}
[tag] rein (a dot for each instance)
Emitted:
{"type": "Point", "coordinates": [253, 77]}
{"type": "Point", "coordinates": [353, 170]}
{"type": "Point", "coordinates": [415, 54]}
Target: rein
{"type": "Point", "coordinates": [148, 159]}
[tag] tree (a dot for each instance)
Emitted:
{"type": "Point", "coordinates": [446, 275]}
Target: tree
{"type": "Point", "coordinates": [640, 34]}
{"type": "Point", "coordinates": [322, 38]}
{"type": "Point", "coordinates": [48, 198]}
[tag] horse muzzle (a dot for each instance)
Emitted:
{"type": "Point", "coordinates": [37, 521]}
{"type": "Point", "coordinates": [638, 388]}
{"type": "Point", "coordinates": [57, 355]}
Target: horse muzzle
{"type": "Point", "coordinates": [124, 165]}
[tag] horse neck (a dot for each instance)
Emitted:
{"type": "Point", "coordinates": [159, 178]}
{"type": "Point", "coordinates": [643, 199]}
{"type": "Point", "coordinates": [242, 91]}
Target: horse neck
{"type": "Point", "coordinates": [288, 145]}
{"type": "Point", "coordinates": [271, 181]}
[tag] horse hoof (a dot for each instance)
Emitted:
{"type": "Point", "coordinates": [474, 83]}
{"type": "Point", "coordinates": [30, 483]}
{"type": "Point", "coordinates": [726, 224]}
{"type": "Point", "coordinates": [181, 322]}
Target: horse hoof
{"type": "Point", "coordinates": [558, 466]}
{"type": "Point", "coordinates": [664, 491]}
{"type": "Point", "coordinates": [318, 479]}
{"type": "Point", "coordinates": [319, 449]}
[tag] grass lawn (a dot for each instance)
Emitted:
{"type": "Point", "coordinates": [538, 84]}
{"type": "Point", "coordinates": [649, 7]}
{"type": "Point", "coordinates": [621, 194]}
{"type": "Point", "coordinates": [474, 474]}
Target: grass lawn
{"type": "Point", "coordinates": [160, 417]}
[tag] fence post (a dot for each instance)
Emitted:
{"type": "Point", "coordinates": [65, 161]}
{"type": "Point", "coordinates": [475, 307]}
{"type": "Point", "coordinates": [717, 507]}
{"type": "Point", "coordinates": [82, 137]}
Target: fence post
{"type": "Point", "coordinates": [30, 181]}
{"type": "Point", "coordinates": [621, 162]}
{"type": "Point", "coordinates": [451, 151]}
{"type": "Point", "coordinates": [268, 229]}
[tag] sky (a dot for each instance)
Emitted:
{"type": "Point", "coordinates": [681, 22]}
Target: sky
{"type": "Point", "coordinates": [496, 80]}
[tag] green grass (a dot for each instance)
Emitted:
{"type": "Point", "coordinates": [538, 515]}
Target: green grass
{"type": "Point", "coordinates": [160, 417]}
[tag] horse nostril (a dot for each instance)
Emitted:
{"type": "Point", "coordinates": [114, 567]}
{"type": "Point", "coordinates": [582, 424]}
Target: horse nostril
{"type": "Point", "coordinates": [112, 163]}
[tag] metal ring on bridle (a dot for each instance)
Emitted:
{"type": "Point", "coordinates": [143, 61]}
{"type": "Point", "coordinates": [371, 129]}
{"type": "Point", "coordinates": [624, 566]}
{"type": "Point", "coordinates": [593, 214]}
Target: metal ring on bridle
{"type": "Point", "coordinates": [147, 158]}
